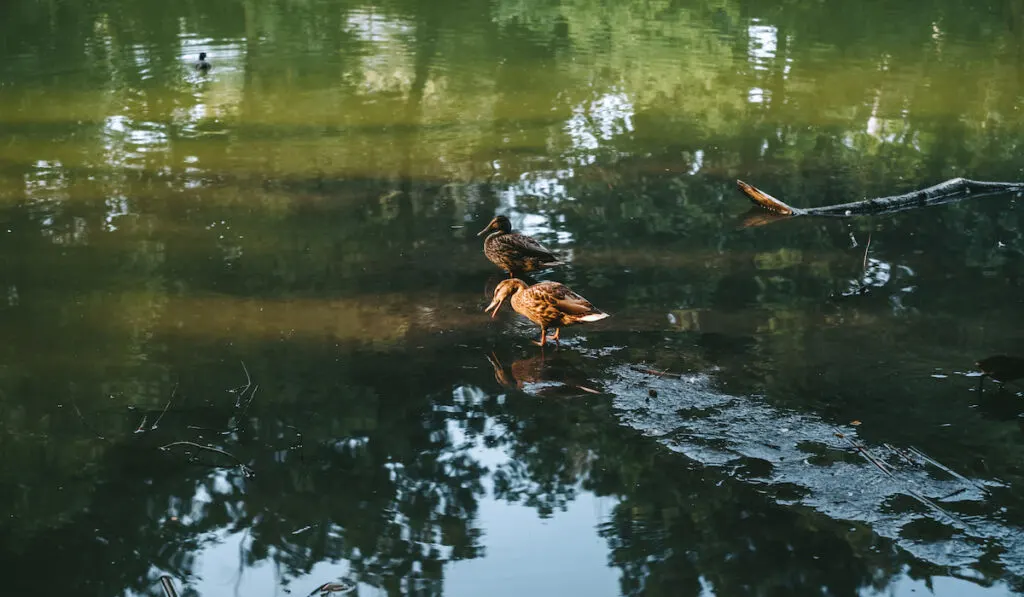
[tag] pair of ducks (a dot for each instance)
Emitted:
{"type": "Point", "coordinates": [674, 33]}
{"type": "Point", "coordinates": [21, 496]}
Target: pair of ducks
{"type": "Point", "coordinates": [547, 304]}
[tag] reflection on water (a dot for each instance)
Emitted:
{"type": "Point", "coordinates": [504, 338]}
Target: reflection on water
{"type": "Point", "coordinates": [808, 462]}
{"type": "Point", "coordinates": [269, 270]}
{"type": "Point", "coordinates": [543, 376]}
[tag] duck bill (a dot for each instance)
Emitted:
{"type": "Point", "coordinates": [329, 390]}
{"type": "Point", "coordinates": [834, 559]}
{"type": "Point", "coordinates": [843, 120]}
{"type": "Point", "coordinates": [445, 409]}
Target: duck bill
{"type": "Point", "coordinates": [493, 307]}
{"type": "Point", "coordinates": [492, 225]}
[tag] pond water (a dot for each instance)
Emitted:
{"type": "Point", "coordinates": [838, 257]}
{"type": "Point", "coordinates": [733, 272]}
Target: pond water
{"type": "Point", "coordinates": [244, 344]}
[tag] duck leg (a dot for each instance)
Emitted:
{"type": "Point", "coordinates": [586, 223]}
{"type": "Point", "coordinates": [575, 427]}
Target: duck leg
{"type": "Point", "coordinates": [543, 337]}
{"type": "Point", "coordinates": [557, 331]}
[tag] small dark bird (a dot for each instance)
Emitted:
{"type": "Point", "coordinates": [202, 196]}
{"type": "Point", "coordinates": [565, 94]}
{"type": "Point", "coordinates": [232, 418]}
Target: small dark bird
{"type": "Point", "coordinates": [1002, 368]}
{"type": "Point", "coordinates": [547, 304]}
{"type": "Point", "coordinates": [512, 251]}
{"type": "Point", "coordinates": [202, 65]}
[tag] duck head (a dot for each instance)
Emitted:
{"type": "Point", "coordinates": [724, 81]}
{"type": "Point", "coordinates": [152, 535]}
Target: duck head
{"type": "Point", "coordinates": [202, 56]}
{"type": "Point", "coordinates": [505, 289]}
{"type": "Point", "coordinates": [498, 223]}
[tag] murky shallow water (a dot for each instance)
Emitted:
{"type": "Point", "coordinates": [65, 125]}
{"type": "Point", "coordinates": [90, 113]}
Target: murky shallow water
{"type": "Point", "coordinates": [278, 260]}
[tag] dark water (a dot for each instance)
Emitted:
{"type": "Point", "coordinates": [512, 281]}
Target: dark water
{"type": "Point", "coordinates": [278, 259]}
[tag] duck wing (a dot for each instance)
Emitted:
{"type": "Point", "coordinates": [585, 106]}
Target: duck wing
{"type": "Point", "coordinates": [526, 246]}
{"type": "Point", "coordinates": [562, 298]}
{"type": "Point", "coordinates": [575, 305]}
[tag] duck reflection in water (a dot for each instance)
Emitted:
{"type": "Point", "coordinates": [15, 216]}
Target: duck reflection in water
{"type": "Point", "coordinates": [543, 377]}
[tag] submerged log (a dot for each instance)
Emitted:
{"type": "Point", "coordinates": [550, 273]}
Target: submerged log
{"type": "Point", "coordinates": [955, 189]}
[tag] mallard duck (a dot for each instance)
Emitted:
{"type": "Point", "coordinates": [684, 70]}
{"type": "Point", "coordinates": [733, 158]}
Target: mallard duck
{"type": "Point", "coordinates": [512, 251]}
{"type": "Point", "coordinates": [547, 304]}
{"type": "Point", "coordinates": [202, 65]}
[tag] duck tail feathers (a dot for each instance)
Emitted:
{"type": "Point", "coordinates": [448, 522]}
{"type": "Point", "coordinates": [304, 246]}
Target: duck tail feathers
{"type": "Point", "coordinates": [594, 317]}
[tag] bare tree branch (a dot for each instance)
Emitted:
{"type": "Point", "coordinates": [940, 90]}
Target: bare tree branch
{"type": "Point", "coordinates": [955, 189]}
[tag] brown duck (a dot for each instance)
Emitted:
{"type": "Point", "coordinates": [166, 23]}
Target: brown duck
{"type": "Point", "coordinates": [547, 304]}
{"type": "Point", "coordinates": [512, 251]}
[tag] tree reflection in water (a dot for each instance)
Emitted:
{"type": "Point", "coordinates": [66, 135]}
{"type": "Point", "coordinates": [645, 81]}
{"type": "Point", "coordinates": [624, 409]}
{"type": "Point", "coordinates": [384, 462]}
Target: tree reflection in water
{"type": "Point", "coordinates": [305, 209]}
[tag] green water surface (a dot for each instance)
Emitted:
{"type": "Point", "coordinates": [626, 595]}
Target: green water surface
{"type": "Point", "coordinates": [278, 259]}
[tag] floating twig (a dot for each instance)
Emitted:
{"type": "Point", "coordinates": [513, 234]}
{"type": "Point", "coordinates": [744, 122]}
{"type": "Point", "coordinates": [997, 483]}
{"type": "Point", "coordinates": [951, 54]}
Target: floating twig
{"type": "Point", "coordinates": [174, 391]}
{"type": "Point", "coordinates": [879, 464]}
{"type": "Point", "coordinates": [74, 403]}
{"type": "Point", "coordinates": [168, 584]}
{"type": "Point", "coordinates": [202, 447]}
{"type": "Point", "coordinates": [245, 469]}
{"type": "Point", "coordinates": [251, 395]}
{"type": "Point", "coordinates": [913, 492]}
{"type": "Point", "coordinates": [953, 493]}
{"type": "Point", "coordinates": [659, 374]}
{"type": "Point", "coordinates": [901, 454]}
{"type": "Point", "coordinates": [945, 468]}
{"type": "Point", "coordinates": [939, 509]}
{"type": "Point", "coordinates": [213, 429]}
{"type": "Point", "coordinates": [240, 421]}
{"type": "Point", "coordinates": [241, 390]}
{"type": "Point", "coordinates": [866, 247]}
{"type": "Point", "coordinates": [948, 191]}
